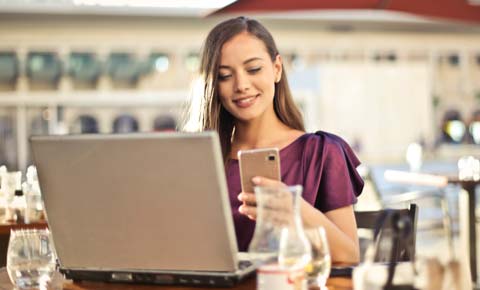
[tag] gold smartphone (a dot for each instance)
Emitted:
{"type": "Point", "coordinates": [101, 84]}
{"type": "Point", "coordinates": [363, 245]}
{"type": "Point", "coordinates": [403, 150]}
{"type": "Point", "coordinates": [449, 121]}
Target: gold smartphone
{"type": "Point", "coordinates": [263, 162]}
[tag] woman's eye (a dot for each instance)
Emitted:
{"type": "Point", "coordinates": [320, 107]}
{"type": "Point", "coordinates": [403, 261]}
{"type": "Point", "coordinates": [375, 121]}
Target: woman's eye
{"type": "Point", "coordinates": [254, 70]}
{"type": "Point", "coordinates": [223, 77]}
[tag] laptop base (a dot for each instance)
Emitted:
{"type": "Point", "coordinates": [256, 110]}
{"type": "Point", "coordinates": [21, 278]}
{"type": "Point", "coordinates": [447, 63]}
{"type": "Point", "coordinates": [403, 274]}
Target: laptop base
{"type": "Point", "coordinates": [202, 279]}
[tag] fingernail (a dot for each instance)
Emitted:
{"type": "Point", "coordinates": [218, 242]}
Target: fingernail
{"type": "Point", "coordinates": [256, 180]}
{"type": "Point", "coordinates": [239, 197]}
{"type": "Point", "coordinates": [240, 209]}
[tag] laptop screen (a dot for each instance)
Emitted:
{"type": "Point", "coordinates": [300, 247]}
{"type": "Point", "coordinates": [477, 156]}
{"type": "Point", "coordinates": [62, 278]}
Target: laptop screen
{"type": "Point", "coordinates": [155, 201]}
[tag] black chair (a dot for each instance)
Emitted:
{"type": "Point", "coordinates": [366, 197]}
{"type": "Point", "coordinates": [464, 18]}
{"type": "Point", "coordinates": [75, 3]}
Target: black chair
{"type": "Point", "coordinates": [405, 248]}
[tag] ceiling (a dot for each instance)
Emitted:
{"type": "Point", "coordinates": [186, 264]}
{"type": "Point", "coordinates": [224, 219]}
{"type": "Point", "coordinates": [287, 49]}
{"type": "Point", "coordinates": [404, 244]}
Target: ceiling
{"type": "Point", "coordinates": [466, 11]}
{"type": "Point", "coordinates": [185, 8]}
{"type": "Point", "coordinates": [424, 14]}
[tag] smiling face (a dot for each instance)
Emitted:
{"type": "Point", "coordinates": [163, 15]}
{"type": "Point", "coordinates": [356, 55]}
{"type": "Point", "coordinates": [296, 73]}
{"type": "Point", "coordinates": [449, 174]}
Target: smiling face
{"type": "Point", "coordinates": [246, 78]}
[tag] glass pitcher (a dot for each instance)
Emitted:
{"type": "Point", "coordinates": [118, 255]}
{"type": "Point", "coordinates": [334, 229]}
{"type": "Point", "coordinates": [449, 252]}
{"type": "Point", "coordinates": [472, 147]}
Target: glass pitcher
{"type": "Point", "coordinates": [279, 228]}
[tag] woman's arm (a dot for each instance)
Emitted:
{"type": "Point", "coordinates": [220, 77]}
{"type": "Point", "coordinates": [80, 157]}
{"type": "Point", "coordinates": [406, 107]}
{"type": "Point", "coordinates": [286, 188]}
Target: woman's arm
{"type": "Point", "coordinates": [341, 229]}
{"type": "Point", "coordinates": [339, 224]}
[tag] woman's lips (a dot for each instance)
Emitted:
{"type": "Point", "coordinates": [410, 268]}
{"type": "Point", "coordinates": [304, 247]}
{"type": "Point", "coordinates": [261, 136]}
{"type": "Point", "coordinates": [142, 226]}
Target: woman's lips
{"type": "Point", "coordinates": [245, 102]}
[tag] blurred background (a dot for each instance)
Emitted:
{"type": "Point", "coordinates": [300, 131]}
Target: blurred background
{"type": "Point", "coordinates": [378, 76]}
{"type": "Point", "coordinates": [391, 77]}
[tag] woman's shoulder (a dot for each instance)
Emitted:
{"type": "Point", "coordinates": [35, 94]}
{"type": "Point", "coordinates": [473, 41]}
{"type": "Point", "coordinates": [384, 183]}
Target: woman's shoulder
{"type": "Point", "coordinates": [313, 142]}
{"type": "Point", "coordinates": [322, 139]}
{"type": "Point", "coordinates": [321, 145]}
{"type": "Point", "coordinates": [327, 145]}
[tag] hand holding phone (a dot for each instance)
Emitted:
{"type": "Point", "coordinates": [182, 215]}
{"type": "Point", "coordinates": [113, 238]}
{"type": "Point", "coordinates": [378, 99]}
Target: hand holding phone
{"type": "Point", "coordinates": [263, 162]}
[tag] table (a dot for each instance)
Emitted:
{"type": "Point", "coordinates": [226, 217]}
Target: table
{"type": "Point", "coordinates": [6, 227]}
{"type": "Point", "coordinates": [249, 284]}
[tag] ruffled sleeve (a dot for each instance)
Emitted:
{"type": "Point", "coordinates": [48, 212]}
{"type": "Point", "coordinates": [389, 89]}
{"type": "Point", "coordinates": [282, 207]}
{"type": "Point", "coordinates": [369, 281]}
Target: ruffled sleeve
{"type": "Point", "coordinates": [337, 182]}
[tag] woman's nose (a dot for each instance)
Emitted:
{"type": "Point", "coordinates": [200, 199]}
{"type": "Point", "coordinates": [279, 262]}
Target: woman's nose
{"type": "Point", "coordinates": [242, 83]}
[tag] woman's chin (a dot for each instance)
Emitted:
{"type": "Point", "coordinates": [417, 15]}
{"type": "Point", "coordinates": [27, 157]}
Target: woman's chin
{"type": "Point", "coordinates": [246, 118]}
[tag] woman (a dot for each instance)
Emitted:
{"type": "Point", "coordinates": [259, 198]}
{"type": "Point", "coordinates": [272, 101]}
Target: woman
{"type": "Point", "coordinates": [248, 102]}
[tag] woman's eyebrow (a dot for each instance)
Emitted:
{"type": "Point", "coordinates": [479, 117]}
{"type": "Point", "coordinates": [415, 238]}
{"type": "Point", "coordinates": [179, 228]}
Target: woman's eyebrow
{"type": "Point", "coordinates": [252, 59]}
{"type": "Point", "coordinates": [245, 62]}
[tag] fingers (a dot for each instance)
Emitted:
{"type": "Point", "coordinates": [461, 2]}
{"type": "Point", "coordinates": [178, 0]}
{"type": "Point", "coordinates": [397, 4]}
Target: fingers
{"type": "Point", "coordinates": [247, 198]}
{"type": "Point", "coordinates": [263, 181]}
{"type": "Point", "coordinates": [249, 211]}
{"type": "Point", "coordinates": [248, 207]}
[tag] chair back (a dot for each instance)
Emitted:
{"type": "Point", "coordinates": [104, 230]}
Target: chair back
{"type": "Point", "coordinates": [405, 248]}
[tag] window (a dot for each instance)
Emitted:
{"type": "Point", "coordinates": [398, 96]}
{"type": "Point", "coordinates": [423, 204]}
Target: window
{"type": "Point", "coordinates": [84, 67]}
{"type": "Point", "coordinates": [123, 67]}
{"type": "Point", "coordinates": [8, 145]}
{"type": "Point", "coordinates": [8, 67]}
{"type": "Point", "coordinates": [453, 128]}
{"type": "Point", "coordinates": [385, 56]}
{"type": "Point", "coordinates": [125, 124]}
{"type": "Point", "coordinates": [43, 67]}
{"type": "Point", "coordinates": [164, 123]}
{"type": "Point", "coordinates": [192, 62]}
{"type": "Point", "coordinates": [157, 62]}
{"type": "Point", "coordinates": [85, 124]}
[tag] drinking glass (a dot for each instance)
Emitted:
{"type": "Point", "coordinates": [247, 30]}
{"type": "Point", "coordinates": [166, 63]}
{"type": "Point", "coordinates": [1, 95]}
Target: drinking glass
{"type": "Point", "coordinates": [30, 258]}
{"type": "Point", "coordinates": [319, 268]}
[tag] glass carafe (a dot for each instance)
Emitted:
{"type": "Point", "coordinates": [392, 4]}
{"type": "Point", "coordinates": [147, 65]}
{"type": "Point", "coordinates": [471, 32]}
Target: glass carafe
{"type": "Point", "coordinates": [279, 228]}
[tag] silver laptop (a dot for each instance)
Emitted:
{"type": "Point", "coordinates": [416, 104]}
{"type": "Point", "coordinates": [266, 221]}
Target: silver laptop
{"type": "Point", "coordinates": [148, 208]}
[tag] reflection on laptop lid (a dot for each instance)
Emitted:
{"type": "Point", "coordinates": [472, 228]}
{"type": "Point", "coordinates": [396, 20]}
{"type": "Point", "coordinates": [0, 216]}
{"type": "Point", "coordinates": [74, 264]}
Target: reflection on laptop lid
{"type": "Point", "coordinates": [139, 207]}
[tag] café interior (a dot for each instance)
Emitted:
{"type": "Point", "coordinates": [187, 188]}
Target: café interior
{"type": "Point", "coordinates": [399, 81]}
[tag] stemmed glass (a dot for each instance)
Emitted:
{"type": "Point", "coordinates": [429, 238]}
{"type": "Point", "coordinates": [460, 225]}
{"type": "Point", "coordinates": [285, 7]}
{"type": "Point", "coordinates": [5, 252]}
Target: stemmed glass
{"type": "Point", "coordinates": [31, 259]}
{"type": "Point", "coordinates": [319, 268]}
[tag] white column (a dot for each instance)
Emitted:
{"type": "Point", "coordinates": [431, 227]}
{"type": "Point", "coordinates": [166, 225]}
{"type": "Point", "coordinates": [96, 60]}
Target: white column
{"type": "Point", "coordinates": [22, 141]}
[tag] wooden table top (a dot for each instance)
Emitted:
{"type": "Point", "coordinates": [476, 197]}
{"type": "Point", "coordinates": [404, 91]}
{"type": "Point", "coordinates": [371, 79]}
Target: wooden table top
{"type": "Point", "coordinates": [60, 283]}
{"type": "Point", "coordinates": [5, 227]}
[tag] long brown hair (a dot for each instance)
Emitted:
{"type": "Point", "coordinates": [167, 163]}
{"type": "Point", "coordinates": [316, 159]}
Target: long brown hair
{"type": "Point", "coordinates": [212, 115]}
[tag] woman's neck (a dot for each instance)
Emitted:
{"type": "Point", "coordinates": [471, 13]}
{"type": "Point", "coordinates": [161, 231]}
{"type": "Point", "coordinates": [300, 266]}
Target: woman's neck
{"type": "Point", "coordinates": [269, 132]}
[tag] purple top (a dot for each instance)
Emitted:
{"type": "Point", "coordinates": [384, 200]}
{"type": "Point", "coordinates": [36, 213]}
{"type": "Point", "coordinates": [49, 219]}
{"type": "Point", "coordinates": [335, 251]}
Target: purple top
{"type": "Point", "coordinates": [323, 163]}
